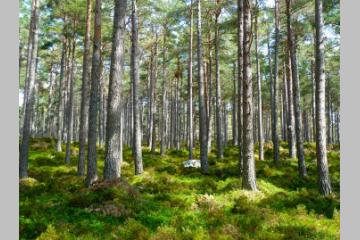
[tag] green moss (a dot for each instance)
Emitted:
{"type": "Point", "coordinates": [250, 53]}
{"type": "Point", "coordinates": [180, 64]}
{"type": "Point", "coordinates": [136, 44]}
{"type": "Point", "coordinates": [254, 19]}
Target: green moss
{"type": "Point", "coordinates": [170, 202]}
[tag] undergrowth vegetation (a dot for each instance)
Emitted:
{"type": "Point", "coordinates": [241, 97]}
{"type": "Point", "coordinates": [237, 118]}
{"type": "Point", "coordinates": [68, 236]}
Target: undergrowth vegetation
{"type": "Point", "coordinates": [170, 202]}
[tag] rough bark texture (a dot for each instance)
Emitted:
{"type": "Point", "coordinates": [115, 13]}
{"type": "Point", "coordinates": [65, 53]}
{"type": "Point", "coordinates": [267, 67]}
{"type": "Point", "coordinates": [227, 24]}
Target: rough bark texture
{"type": "Point", "coordinates": [135, 83]}
{"type": "Point", "coordinates": [249, 177]}
{"type": "Point", "coordinates": [322, 164]}
{"type": "Point", "coordinates": [112, 158]}
{"type": "Point", "coordinates": [91, 175]}
{"type": "Point", "coordinates": [296, 89]}
{"type": "Point", "coordinates": [85, 92]}
{"type": "Point", "coordinates": [29, 101]}
{"type": "Point", "coordinates": [203, 127]}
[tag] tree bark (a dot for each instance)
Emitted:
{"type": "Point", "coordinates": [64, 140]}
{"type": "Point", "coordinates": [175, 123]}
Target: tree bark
{"type": "Point", "coordinates": [203, 127]}
{"type": "Point", "coordinates": [249, 177]}
{"type": "Point", "coordinates": [70, 105]}
{"type": "Point", "coordinates": [296, 89]}
{"type": "Point", "coordinates": [29, 102]}
{"type": "Point", "coordinates": [258, 79]}
{"type": "Point", "coordinates": [190, 87]}
{"type": "Point", "coordinates": [112, 166]}
{"type": "Point", "coordinates": [240, 79]}
{"type": "Point", "coordinates": [322, 163]}
{"type": "Point", "coordinates": [85, 92]}
{"type": "Point", "coordinates": [91, 176]}
{"type": "Point", "coordinates": [219, 139]}
{"type": "Point", "coordinates": [291, 117]}
{"type": "Point", "coordinates": [274, 101]}
{"type": "Point", "coordinates": [135, 85]}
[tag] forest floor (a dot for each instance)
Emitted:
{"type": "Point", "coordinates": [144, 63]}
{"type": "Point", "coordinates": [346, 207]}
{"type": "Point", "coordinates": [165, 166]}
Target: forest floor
{"type": "Point", "coordinates": [171, 202]}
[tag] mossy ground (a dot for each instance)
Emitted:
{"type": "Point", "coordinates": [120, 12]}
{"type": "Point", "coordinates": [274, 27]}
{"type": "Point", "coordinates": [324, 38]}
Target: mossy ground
{"type": "Point", "coordinates": [170, 202]}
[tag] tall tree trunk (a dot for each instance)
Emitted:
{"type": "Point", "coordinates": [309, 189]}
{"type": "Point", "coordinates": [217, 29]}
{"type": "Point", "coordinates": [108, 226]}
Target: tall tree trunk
{"type": "Point", "coordinates": [70, 105]}
{"type": "Point", "coordinates": [91, 176]}
{"type": "Point", "coordinates": [154, 115]}
{"type": "Point", "coordinates": [202, 110]}
{"type": "Point", "coordinates": [274, 100]}
{"type": "Point", "coordinates": [258, 79]}
{"type": "Point", "coordinates": [85, 92]}
{"type": "Point", "coordinates": [322, 164]}
{"type": "Point", "coordinates": [135, 85]}
{"type": "Point", "coordinates": [291, 117]}
{"type": "Point", "coordinates": [190, 87]}
{"type": "Point", "coordinates": [60, 107]}
{"type": "Point", "coordinates": [240, 79]}
{"type": "Point", "coordinates": [296, 89]}
{"type": "Point", "coordinates": [219, 140]}
{"type": "Point", "coordinates": [112, 166]}
{"type": "Point", "coordinates": [234, 110]}
{"type": "Point", "coordinates": [249, 177]}
{"type": "Point", "coordinates": [29, 103]}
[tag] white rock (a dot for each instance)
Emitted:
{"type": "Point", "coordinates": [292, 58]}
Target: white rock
{"type": "Point", "coordinates": [192, 163]}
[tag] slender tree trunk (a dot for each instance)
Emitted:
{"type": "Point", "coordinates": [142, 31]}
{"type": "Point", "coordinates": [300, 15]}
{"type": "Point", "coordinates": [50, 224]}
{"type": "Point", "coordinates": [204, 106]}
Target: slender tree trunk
{"type": "Point", "coordinates": [313, 102]}
{"type": "Point", "coordinates": [322, 164]}
{"type": "Point", "coordinates": [291, 117]}
{"type": "Point", "coordinates": [258, 79]}
{"type": "Point", "coordinates": [240, 79]}
{"type": "Point", "coordinates": [154, 116]}
{"type": "Point", "coordinates": [190, 87]}
{"type": "Point", "coordinates": [219, 140]}
{"type": "Point", "coordinates": [296, 89]}
{"type": "Point", "coordinates": [70, 105]}
{"type": "Point", "coordinates": [85, 92]}
{"type": "Point", "coordinates": [29, 103]}
{"type": "Point", "coordinates": [274, 101]}
{"type": "Point", "coordinates": [135, 85]}
{"type": "Point", "coordinates": [249, 177]}
{"type": "Point", "coordinates": [202, 110]}
{"type": "Point", "coordinates": [234, 111]}
{"type": "Point", "coordinates": [91, 176]}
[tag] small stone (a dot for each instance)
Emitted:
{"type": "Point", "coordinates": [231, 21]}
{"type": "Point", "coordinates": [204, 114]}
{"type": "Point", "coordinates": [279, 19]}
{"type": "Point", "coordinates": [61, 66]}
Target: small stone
{"type": "Point", "coordinates": [192, 163]}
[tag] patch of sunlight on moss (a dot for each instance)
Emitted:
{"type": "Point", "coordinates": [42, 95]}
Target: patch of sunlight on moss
{"type": "Point", "coordinates": [268, 188]}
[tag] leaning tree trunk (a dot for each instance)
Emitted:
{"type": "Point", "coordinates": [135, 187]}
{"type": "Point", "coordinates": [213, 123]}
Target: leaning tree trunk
{"type": "Point", "coordinates": [85, 92]}
{"type": "Point", "coordinates": [70, 106]}
{"type": "Point", "coordinates": [203, 127]}
{"type": "Point", "coordinates": [322, 164]}
{"type": "Point", "coordinates": [112, 153]}
{"type": "Point", "coordinates": [135, 84]}
{"type": "Point", "coordinates": [296, 89]}
{"type": "Point", "coordinates": [219, 140]}
{"type": "Point", "coordinates": [248, 177]}
{"type": "Point", "coordinates": [91, 176]}
{"type": "Point", "coordinates": [240, 79]}
{"type": "Point", "coordinates": [274, 100]}
{"type": "Point", "coordinates": [29, 103]}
